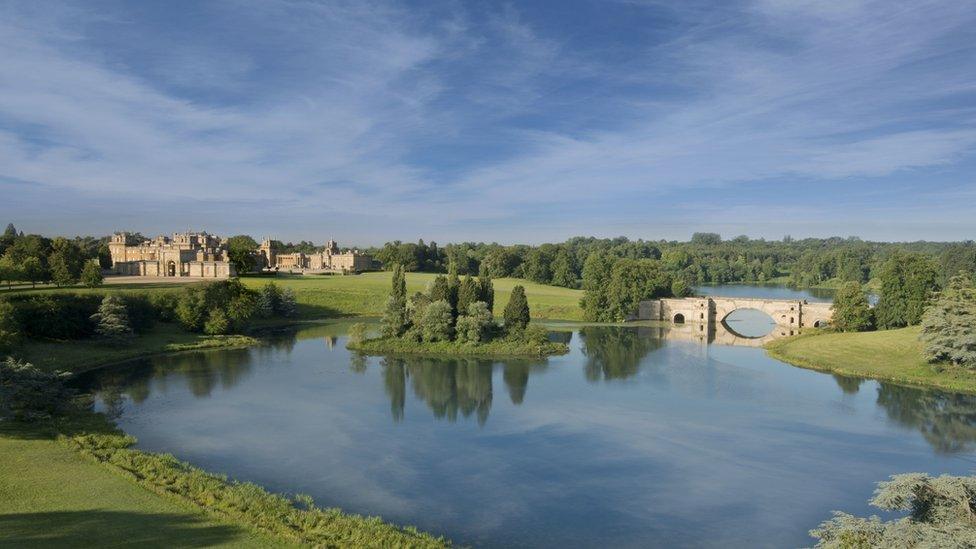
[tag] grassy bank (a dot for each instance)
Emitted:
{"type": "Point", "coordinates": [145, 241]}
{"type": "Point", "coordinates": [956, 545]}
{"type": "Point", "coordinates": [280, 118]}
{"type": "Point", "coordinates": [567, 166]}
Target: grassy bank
{"type": "Point", "coordinates": [365, 294]}
{"type": "Point", "coordinates": [80, 355]}
{"type": "Point", "coordinates": [501, 348]}
{"type": "Point", "coordinates": [892, 355]}
{"type": "Point", "coordinates": [52, 496]}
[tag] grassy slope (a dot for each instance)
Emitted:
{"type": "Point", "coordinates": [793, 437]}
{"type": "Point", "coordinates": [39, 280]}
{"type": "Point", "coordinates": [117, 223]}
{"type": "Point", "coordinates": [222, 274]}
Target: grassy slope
{"type": "Point", "coordinates": [894, 355]}
{"type": "Point", "coordinates": [78, 356]}
{"type": "Point", "coordinates": [51, 496]}
{"type": "Point", "coordinates": [365, 294]}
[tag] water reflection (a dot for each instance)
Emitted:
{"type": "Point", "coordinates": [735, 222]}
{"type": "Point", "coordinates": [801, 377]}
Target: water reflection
{"type": "Point", "coordinates": [628, 440]}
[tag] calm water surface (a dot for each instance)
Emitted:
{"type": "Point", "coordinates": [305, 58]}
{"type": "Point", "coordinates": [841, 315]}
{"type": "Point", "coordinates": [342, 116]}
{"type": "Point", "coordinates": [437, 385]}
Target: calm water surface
{"type": "Point", "coordinates": [768, 291]}
{"type": "Point", "coordinates": [632, 439]}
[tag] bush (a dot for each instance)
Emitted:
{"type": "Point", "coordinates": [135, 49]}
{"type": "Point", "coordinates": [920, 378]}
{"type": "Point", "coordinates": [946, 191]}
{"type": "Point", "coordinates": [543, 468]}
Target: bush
{"type": "Point", "coordinates": [357, 333]}
{"type": "Point", "coordinates": [27, 393]}
{"type": "Point", "coordinates": [56, 316]}
{"type": "Point", "coordinates": [289, 305]}
{"type": "Point", "coordinates": [164, 305]}
{"type": "Point", "coordinates": [217, 322]}
{"type": "Point", "coordinates": [9, 328]}
{"type": "Point", "coordinates": [197, 306]}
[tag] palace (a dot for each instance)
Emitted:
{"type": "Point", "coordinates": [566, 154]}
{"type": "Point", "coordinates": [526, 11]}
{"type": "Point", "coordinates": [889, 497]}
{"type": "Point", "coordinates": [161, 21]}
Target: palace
{"type": "Point", "coordinates": [185, 254]}
{"type": "Point", "coordinates": [331, 259]}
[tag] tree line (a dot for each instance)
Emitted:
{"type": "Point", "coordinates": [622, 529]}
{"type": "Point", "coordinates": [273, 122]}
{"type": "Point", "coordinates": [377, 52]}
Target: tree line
{"type": "Point", "coordinates": [34, 258]}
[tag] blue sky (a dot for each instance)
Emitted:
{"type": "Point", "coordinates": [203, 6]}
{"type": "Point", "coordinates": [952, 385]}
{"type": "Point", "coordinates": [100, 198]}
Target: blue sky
{"type": "Point", "coordinates": [510, 122]}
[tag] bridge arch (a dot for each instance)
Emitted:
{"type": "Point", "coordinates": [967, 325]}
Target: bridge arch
{"type": "Point", "coordinates": [678, 318]}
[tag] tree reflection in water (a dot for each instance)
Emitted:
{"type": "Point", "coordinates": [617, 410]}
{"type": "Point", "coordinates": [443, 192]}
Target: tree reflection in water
{"type": "Point", "coordinates": [615, 352]}
{"type": "Point", "coordinates": [946, 420]}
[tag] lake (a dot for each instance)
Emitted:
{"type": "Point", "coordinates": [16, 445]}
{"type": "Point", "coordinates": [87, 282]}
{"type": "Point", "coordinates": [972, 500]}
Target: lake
{"type": "Point", "coordinates": [633, 439]}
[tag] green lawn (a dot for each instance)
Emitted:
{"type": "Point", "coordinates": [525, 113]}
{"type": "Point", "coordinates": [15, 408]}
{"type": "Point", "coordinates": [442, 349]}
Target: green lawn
{"type": "Point", "coordinates": [365, 294]}
{"type": "Point", "coordinates": [51, 496]}
{"type": "Point", "coordinates": [81, 355]}
{"type": "Point", "coordinates": [894, 355]}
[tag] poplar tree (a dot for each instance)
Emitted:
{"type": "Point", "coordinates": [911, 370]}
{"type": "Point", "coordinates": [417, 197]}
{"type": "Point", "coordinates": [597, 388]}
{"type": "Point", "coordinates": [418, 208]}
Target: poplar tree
{"type": "Point", "coordinates": [486, 291]}
{"type": "Point", "coordinates": [395, 316]}
{"type": "Point", "coordinates": [467, 294]}
{"type": "Point", "coordinates": [517, 311]}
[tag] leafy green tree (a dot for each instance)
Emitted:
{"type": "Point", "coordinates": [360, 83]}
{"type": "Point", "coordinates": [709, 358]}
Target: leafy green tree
{"type": "Point", "coordinates": [949, 324]}
{"type": "Point", "coordinates": [467, 294]}
{"type": "Point", "coordinates": [60, 272]}
{"type": "Point", "coordinates": [112, 319]}
{"type": "Point", "coordinates": [453, 287]}
{"type": "Point", "coordinates": [680, 288]}
{"type": "Point", "coordinates": [395, 319]}
{"type": "Point", "coordinates": [851, 310]}
{"type": "Point", "coordinates": [33, 270]}
{"type": "Point", "coordinates": [706, 239]}
{"type": "Point", "coordinates": [91, 274]}
{"type": "Point", "coordinates": [475, 326]}
{"type": "Point", "coordinates": [633, 281]}
{"type": "Point", "coordinates": [10, 271]}
{"type": "Point", "coordinates": [486, 291]}
{"type": "Point", "coordinates": [269, 302]}
{"type": "Point", "coordinates": [562, 270]}
{"type": "Point", "coordinates": [516, 312]}
{"type": "Point", "coordinates": [907, 281]}
{"type": "Point", "coordinates": [596, 279]}
{"type": "Point", "coordinates": [218, 323]}
{"type": "Point", "coordinates": [940, 514]}
{"type": "Point", "coordinates": [438, 322]}
{"type": "Point", "coordinates": [416, 306]}
{"type": "Point", "coordinates": [240, 252]}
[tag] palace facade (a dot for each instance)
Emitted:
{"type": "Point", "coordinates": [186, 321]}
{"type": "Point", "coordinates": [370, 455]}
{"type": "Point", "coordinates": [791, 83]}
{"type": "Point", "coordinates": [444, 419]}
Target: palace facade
{"type": "Point", "coordinates": [329, 260]}
{"type": "Point", "coordinates": [184, 254]}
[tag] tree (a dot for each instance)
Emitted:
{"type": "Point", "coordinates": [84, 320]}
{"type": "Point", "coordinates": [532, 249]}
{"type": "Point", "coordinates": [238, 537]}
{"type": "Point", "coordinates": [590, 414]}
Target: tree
{"type": "Point", "coordinates": [28, 393]}
{"type": "Point", "coordinates": [60, 273]}
{"type": "Point", "coordinates": [680, 288]}
{"type": "Point", "coordinates": [562, 270]}
{"type": "Point", "coordinates": [907, 281]}
{"type": "Point", "coordinates": [33, 270]}
{"type": "Point", "coordinates": [437, 324]}
{"type": "Point", "coordinates": [91, 275]}
{"type": "Point", "coordinates": [217, 322]}
{"type": "Point", "coordinates": [940, 515]}
{"type": "Point", "coordinates": [453, 285]}
{"type": "Point", "coordinates": [596, 279]}
{"type": "Point", "coordinates": [476, 325]}
{"type": "Point", "coordinates": [112, 319]}
{"type": "Point", "coordinates": [288, 306]}
{"type": "Point", "coordinates": [10, 271]}
{"type": "Point", "coordinates": [467, 294]}
{"type": "Point", "coordinates": [949, 324]}
{"type": "Point", "coordinates": [633, 281]}
{"type": "Point", "coordinates": [240, 252]}
{"type": "Point", "coordinates": [395, 320]}
{"type": "Point", "coordinates": [706, 239]}
{"type": "Point", "coordinates": [486, 291]}
{"type": "Point", "coordinates": [516, 313]}
{"type": "Point", "coordinates": [851, 310]}
{"type": "Point", "coordinates": [269, 302]}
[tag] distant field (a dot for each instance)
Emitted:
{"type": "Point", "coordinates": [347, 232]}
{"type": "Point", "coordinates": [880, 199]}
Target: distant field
{"type": "Point", "coordinates": [894, 355]}
{"type": "Point", "coordinates": [365, 294]}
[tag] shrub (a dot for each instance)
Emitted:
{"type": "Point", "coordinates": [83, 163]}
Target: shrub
{"type": "Point", "coordinates": [269, 302]}
{"type": "Point", "coordinates": [289, 305]}
{"type": "Point", "coordinates": [437, 322]}
{"type": "Point", "coordinates": [27, 393]}
{"type": "Point", "coordinates": [56, 316]}
{"type": "Point", "coordinates": [536, 335]}
{"type": "Point", "coordinates": [9, 327]}
{"type": "Point", "coordinates": [357, 333]}
{"type": "Point", "coordinates": [112, 319]}
{"type": "Point", "coordinates": [164, 305]}
{"type": "Point", "coordinates": [197, 305]}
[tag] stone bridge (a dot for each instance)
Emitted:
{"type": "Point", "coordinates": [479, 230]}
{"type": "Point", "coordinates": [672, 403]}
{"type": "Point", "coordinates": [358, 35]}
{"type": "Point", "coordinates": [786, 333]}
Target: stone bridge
{"type": "Point", "coordinates": [708, 312]}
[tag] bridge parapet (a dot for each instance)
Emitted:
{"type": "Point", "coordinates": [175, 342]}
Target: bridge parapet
{"type": "Point", "coordinates": [791, 313]}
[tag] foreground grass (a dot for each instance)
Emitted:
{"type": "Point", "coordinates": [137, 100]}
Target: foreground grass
{"type": "Point", "coordinates": [500, 348]}
{"type": "Point", "coordinates": [365, 294]}
{"type": "Point", "coordinates": [52, 496]}
{"type": "Point", "coordinates": [80, 355]}
{"type": "Point", "coordinates": [892, 355]}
